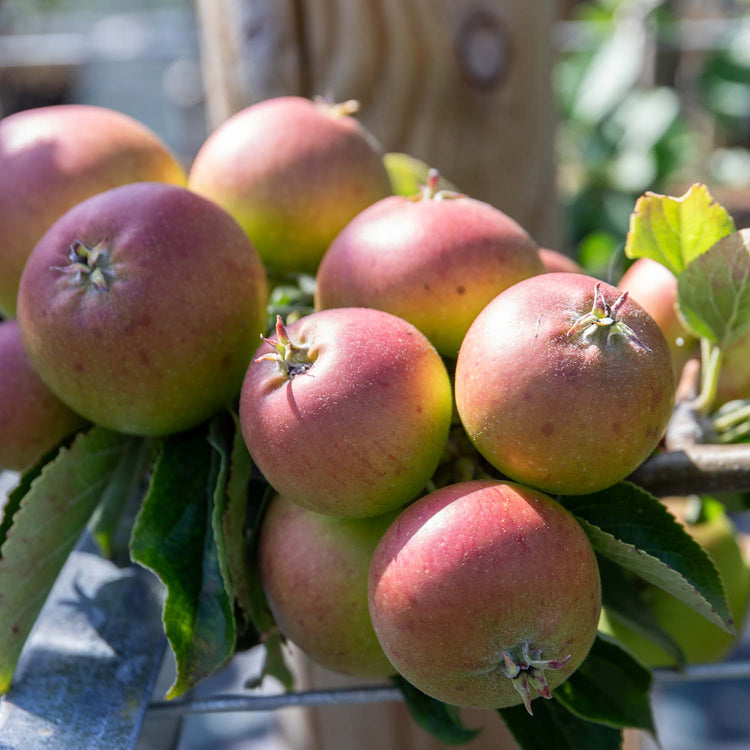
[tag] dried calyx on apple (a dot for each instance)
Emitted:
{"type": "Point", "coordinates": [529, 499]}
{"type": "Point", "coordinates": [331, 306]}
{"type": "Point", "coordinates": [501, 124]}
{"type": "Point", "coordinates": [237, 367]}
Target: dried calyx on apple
{"type": "Point", "coordinates": [89, 267]}
{"type": "Point", "coordinates": [292, 358]}
{"type": "Point", "coordinates": [527, 671]}
{"type": "Point", "coordinates": [603, 316]}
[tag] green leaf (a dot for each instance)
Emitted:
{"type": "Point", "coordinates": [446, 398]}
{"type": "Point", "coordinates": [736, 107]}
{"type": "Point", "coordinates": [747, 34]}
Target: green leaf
{"type": "Point", "coordinates": [713, 291]}
{"type": "Point", "coordinates": [230, 518]}
{"type": "Point", "coordinates": [52, 505]}
{"type": "Point", "coordinates": [554, 727]}
{"type": "Point", "coordinates": [112, 521]}
{"type": "Point", "coordinates": [610, 687]}
{"type": "Point", "coordinates": [632, 528]}
{"type": "Point", "coordinates": [439, 719]}
{"type": "Point", "coordinates": [623, 601]}
{"type": "Point", "coordinates": [173, 536]}
{"type": "Point", "coordinates": [408, 174]}
{"type": "Point", "coordinates": [675, 231]}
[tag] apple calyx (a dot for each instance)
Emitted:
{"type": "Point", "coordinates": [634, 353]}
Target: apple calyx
{"type": "Point", "coordinates": [89, 266]}
{"type": "Point", "coordinates": [291, 358]}
{"type": "Point", "coordinates": [603, 316]}
{"type": "Point", "coordinates": [527, 671]}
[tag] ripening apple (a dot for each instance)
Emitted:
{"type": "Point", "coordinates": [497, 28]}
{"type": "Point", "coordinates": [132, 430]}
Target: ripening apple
{"type": "Point", "coordinates": [700, 640]}
{"type": "Point", "coordinates": [556, 262]}
{"type": "Point", "coordinates": [347, 411]}
{"type": "Point", "coordinates": [485, 594]}
{"type": "Point", "coordinates": [654, 287]}
{"type": "Point", "coordinates": [564, 383]}
{"type": "Point", "coordinates": [141, 306]}
{"type": "Point", "coordinates": [52, 158]}
{"type": "Point", "coordinates": [435, 259]}
{"type": "Point", "coordinates": [32, 419]}
{"type": "Point", "coordinates": [292, 172]}
{"type": "Point", "coordinates": [314, 569]}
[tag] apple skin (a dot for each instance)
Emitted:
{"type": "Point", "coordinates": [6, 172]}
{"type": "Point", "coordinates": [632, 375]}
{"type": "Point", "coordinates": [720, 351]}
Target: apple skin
{"type": "Point", "coordinates": [475, 569]}
{"type": "Point", "coordinates": [32, 419]}
{"type": "Point", "coordinates": [556, 262]}
{"type": "Point", "coordinates": [167, 343]}
{"type": "Point", "coordinates": [434, 261]}
{"type": "Point", "coordinates": [314, 570]}
{"type": "Point", "coordinates": [568, 414]}
{"type": "Point", "coordinates": [363, 429]}
{"type": "Point", "coordinates": [292, 172]}
{"type": "Point", "coordinates": [701, 641]}
{"type": "Point", "coordinates": [52, 158]}
{"type": "Point", "coordinates": [654, 287]}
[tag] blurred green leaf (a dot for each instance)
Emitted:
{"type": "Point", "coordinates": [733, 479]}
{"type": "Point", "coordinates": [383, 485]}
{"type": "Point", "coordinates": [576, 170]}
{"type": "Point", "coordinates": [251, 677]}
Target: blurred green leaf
{"type": "Point", "coordinates": [408, 174]}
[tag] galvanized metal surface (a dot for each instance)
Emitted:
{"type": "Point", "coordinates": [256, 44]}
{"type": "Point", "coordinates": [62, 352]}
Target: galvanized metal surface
{"type": "Point", "coordinates": [86, 674]}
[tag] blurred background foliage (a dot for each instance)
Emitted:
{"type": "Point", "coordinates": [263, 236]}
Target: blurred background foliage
{"type": "Point", "coordinates": [652, 95]}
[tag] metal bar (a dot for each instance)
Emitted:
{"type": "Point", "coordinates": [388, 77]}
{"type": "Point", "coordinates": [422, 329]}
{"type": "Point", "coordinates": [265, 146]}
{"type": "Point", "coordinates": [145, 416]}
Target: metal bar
{"type": "Point", "coordinates": [87, 671]}
{"type": "Point", "coordinates": [229, 703]}
{"type": "Point", "coordinates": [380, 694]}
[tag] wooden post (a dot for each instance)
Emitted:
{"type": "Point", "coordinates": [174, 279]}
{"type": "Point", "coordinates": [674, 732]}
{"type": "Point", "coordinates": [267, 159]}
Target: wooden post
{"type": "Point", "coordinates": [462, 84]}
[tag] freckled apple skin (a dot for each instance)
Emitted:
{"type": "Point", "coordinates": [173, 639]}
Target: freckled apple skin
{"type": "Point", "coordinates": [360, 432]}
{"type": "Point", "coordinates": [167, 345]}
{"type": "Point", "coordinates": [566, 414]}
{"type": "Point", "coordinates": [473, 569]}
{"type": "Point", "coordinates": [52, 158]}
{"type": "Point", "coordinates": [654, 287]}
{"type": "Point", "coordinates": [433, 262]}
{"type": "Point", "coordinates": [32, 419]}
{"type": "Point", "coordinates": [314, 570]}
{"type": "Point", "coordinates": [292, 174]}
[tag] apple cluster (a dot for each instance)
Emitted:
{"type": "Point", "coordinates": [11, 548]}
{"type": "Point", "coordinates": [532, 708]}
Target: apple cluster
{"type": "Point", "coordinates": [451, 378]}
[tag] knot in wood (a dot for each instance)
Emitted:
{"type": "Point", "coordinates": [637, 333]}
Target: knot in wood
{"type": "Point", "coordinates": [483, 50]}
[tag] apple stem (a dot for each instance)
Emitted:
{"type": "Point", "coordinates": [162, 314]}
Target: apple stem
{"type": "Point", "coordinates": [291, 358]}
{"type": "Point", "coordinates": [711, 359]}
{"type": "Point", "coordinates": [527, 671]}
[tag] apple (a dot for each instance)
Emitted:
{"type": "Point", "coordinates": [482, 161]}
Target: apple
{"type": "Point", "coordinates": [314, 570]}
{"type": "Point", "coordinates": [292, 172]}
{"type": "Point", "coordinates": [435, 261]}
{"type": "Point", "coordinates": [32, 419]}
{"type": "Point", "coordinates": [347, 411]}
{"type": "Point", "coordinates": [700, 640]}
{"type": "Point", "coordinates": [564, 384]}
{"type": "Point", "coordinates": [52, 158]}
{"type": "Point", "coordinates": [654, 287]}
{"type": "Point", "coordinates": [485, 594]}
{"type": "Point", "coordinates": [556, 262]}
{"type": "Point", "coordinates": [141, 306]}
